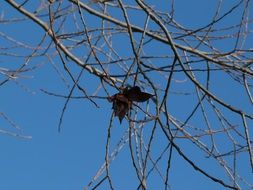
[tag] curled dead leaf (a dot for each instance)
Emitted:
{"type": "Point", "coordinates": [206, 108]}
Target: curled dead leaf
{"type": "Point", "coordinates": [122, 101]}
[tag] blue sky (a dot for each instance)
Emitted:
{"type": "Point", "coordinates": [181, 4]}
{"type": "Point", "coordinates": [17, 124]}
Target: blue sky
{"type": "Point", "coordinates": [68, 160]}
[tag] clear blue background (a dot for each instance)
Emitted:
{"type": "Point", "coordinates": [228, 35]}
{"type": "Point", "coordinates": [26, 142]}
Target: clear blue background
{"type": "Point", "coordinates": [68, 160]}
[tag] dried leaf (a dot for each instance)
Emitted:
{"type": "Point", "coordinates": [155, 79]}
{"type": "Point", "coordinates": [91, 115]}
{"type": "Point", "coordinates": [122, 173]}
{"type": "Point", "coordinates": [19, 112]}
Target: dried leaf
{"type": "Point", "coordinates": [122, 101]}
{"type": "Point", "coordinates": [135, 94]}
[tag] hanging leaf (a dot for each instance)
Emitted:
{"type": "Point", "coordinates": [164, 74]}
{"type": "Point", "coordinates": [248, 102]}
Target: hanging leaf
{"type": "Point", "coordinates": [122, 101]}
{"type": "Point", "coordinates": [135, 94]}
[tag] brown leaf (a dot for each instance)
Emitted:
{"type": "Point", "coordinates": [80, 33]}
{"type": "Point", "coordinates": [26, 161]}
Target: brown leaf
{"type": "Point", "coordinates": [121, 105]}
{"type": "Point", "coordinates": [135, 94]}
{"type": "Point", "coordinates": [122, 101]}
{"type": "Point", "coordinates": [120, 109]}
